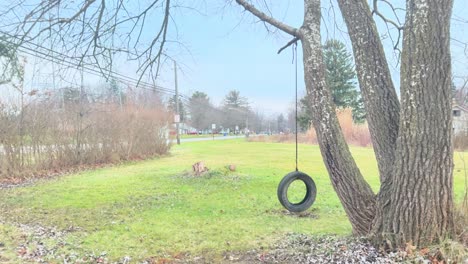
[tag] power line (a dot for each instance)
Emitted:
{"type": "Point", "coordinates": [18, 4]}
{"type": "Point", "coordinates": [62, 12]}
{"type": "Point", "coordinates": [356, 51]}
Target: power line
{"type": "Point", "coordinates": [47, 54]}
{"type": "Point", "coordinates": [80, 63]}
{"type": "Point", "coordinates": [90, 70]}
{"type": "Point", "coordinates": [68, 61]}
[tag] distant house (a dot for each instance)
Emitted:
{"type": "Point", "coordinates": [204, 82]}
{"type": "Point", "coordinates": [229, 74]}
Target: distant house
{"type": "Point", "coordinates": [184, 128]}
{"type": "Point", "coordinates": [460, 119]}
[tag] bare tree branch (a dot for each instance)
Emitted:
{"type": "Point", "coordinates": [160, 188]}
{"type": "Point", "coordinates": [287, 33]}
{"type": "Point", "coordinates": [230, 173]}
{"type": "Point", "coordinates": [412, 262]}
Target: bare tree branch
{"type": "Point", "coordinates": [93, 31]}
{"type": "Point", "coordinates": [397, 24]}
{"type": "Point", "coordinates": [294, 40]}
{"type": "Point", "coordinates": [268, 19]}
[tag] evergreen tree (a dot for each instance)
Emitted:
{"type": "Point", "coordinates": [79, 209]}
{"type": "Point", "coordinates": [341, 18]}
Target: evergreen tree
{"type": "Point", "coordinates": [172, 107]}
{"type": "Point", "coordinates": [200, 110]}
{"type": "Point", "coordinates": [10, 68]}
{"type": "Point", "coordinates": [114, 92]}
{"type": "Point", "coordinates": [236, 111]}
{"type": "Point", "coordinates": [234, 100]}
{"type": "Point", "coordinates": [304, 115]}
{"type": "Point", "coordinates": [341, 78]}
{"type": "Point", "coordinates": [200, 95]}
{"type": "Point", "coordinates": [359, 112]}
{"type": "Point", "coordinates": [281, 123]}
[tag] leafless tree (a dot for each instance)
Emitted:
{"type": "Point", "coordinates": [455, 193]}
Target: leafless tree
{"type": "Point", "coordinates": [412, 141]}
{"type": "Point", "coordinates": [461, 92]}
{"type": "Point", "coordinates": [93, 31]}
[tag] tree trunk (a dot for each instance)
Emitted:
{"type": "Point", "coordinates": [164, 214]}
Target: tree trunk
{"type": "Point", "coordinates": [421, 201]}
{"type": "Point", "coordinates": [380, 98]}
{"type": "Point", "coordinates": [378, 93]}
{"type": "Point", "coordinates": [375, 83]}
{"type": "Point", "coordinates": [354, 192]}
{"type": "Point", "coordinates": [412, 144]}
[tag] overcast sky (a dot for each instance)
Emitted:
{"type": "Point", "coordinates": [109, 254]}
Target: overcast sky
{"type": "Point", "coordinates": [223, 48]}
{"type": "Point", "coordinates": [229, 49]}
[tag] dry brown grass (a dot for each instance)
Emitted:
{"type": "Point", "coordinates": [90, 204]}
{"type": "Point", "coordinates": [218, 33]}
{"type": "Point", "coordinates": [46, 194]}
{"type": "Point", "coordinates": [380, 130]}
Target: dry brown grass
{"type": "Point", "coordinates": [460, 141]}
{"type": "Point", "coordinates": [461, 223]}
{"type": "Point", "coordinates": [355, 134]}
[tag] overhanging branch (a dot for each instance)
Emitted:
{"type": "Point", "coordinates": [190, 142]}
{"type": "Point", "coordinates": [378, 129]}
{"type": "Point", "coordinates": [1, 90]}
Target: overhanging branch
{"type": "Point", "coordinates": [268, 19]}
{"type": "Point", "coordinates": [294, 40]}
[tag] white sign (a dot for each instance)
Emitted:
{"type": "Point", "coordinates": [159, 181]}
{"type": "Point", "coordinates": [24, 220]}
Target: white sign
{"type": "Point", "coordinates": [237, 128]}
{"type": "Point", "coordinates": [176, 118]}
{"type": "Point", "coordinates": [213, 126]}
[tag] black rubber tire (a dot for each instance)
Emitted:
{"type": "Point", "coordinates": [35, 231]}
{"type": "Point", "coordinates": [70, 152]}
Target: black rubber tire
{"type": "Point", "coordinates": [309, 198]}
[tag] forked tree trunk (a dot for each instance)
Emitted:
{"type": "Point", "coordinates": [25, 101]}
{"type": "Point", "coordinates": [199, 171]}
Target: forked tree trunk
{"type": "Point", "coordinates": [380, 98]}
{"type": "Point", "coordinates": [421, 200]}
{"type": "Point", "coordinates": [412, 144]}
{"type": "Point", "coordinates": [354, 192]}
{"type": "Point", "coordinates": [415, 202]}
{"type": "Point", "coordinates": [375, 82]}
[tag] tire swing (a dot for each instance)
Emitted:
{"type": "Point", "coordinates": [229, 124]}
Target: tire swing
{"type": "Point", "coordinates": [309, 198]}
{"type": "Point", "coordinates": [311, 190]}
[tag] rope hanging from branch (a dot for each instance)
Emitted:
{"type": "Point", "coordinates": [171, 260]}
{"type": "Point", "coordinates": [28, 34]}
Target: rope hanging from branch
{"type": "Point", "coordinates": [296, 132]}
{"type": "Point", "coordinates": [311, 190]}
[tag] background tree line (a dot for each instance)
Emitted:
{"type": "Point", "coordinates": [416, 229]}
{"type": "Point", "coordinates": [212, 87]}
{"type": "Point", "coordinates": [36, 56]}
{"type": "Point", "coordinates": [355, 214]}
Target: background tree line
{"type": "Point", "coordinates": [235, 111]}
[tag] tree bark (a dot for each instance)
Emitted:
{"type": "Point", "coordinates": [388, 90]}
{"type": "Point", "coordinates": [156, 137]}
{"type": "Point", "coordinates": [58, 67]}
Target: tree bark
{"type": "Point", "coordinates": [380, 98]}
{"type": "Point", "coordinates": [421, 197]}
{"type": "Point", "coordinates": [354, 192]}
{"type": "Point", "coordinates": [412, 144]}
{"type": "Point", "coordinates": [375, 82]}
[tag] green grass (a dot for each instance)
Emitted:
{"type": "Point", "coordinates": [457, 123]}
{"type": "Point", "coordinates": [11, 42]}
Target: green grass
{"type": "Point", "coordinates": [199, 136]}
{"type": "Point", "coordinates": [9, 238]}
{"type": "Point", "coordinates": [153, 208]}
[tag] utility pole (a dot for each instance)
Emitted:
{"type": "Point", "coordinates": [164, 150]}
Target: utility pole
{"type": "Point", "coordinates": [247, 132]}
{"type": "Point", "coordinates": [176, 101]}
{"type": "Point", "coordinates": [80, 116]}
{"type": "Point", "coordinates": [120, 97]}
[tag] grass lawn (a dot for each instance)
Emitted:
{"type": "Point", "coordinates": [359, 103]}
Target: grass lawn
{"type": "Point", "coordinates": [154, 209]}
{"type": "Point", "coordinates": [197, 136]}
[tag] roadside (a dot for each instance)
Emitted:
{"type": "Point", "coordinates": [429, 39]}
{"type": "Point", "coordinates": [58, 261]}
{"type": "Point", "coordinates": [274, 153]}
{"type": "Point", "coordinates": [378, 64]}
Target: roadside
{"type": "Point", "coordinates": [196, 139]}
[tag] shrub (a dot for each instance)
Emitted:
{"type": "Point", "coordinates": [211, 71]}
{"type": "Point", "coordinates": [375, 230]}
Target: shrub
{"type": "Point", "coordinates": [47, 135]}
{"type": "Point", "coordinates": [460, 141]}
{"type": "Point", "coordinates": [355, 134]}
